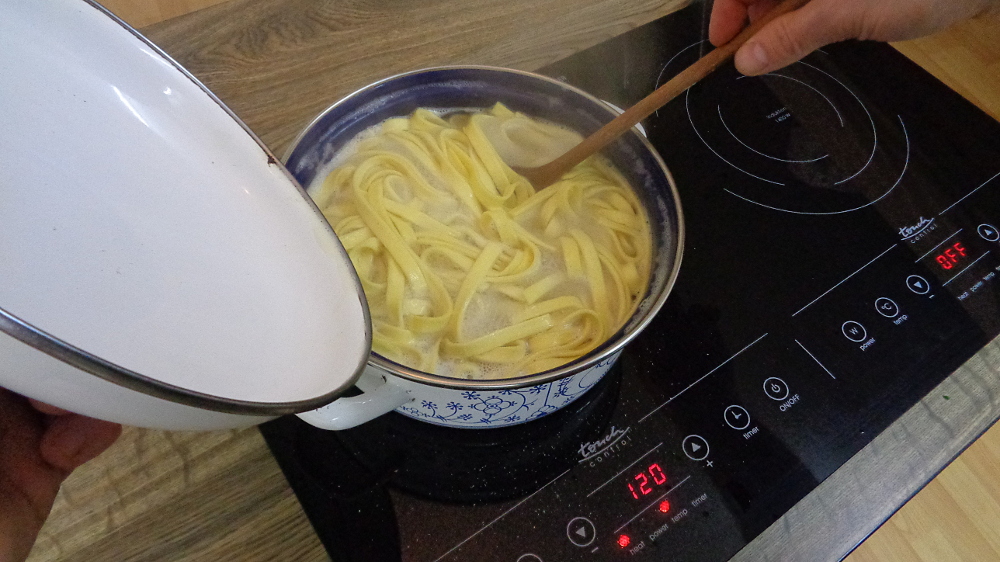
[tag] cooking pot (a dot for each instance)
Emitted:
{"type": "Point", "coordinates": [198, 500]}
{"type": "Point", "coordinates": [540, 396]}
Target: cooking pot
{"type": "Point", "coordinates": [491, 403]}
{"type": "Point", "coordinates": [162, 269]}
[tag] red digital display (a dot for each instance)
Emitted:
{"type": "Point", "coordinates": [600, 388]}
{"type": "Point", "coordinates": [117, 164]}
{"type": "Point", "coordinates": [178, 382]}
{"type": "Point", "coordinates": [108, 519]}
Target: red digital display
{"type": "Point", "coordinates": [951, 256]}
{"type": "Point", "coordinates": [645, 482]}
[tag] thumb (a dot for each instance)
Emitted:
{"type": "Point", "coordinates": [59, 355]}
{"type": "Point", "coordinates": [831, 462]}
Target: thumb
{"type": "Point", "coordinates": [71, 440]}
{"type": "Point", "coordinates": [794, 35]}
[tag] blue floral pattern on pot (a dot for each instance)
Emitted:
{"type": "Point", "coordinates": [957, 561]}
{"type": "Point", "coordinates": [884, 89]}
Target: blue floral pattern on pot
{"type": "Point", "coordinates": [498, 408]}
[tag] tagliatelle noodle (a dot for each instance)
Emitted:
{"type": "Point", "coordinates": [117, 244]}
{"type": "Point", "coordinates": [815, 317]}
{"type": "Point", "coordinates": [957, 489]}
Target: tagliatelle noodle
{"type": "Point", "coordinates": [468, 271]}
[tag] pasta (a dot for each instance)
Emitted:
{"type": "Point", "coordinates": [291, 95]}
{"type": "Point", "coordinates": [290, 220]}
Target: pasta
{"type": "Point", "coordinates": [468, 271]}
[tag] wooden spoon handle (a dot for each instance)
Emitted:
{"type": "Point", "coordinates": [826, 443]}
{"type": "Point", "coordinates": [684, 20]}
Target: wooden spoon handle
{"type": "Point", "coordinates": [674, 87]}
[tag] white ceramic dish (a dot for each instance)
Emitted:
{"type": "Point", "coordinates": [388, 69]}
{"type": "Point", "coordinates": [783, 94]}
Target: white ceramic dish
{"type": "Point", "coordinates": [158, 267]}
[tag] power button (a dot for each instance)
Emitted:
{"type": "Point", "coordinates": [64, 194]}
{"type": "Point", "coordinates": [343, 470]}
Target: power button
{"type": "Point", "coordinates": [776, 389]}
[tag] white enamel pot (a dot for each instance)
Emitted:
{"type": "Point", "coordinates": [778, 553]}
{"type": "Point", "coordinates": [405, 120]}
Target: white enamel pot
{"type": "Point", "coordinates": [451, 402]}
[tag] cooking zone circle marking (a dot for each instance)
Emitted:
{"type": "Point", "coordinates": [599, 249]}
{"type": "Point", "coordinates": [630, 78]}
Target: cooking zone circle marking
{"type": "Point", "coordinates": [797, 131]}
{"type": "Point", "coordinates": [752, 149]}
{"type": "Point", "coordinates": [777, 116]}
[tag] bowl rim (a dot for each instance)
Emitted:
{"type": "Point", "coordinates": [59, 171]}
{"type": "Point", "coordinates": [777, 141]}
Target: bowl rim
{"type": "Point", "coordinates": [26, 333]}
{"type": "Point", "coordinates": [608, 348]}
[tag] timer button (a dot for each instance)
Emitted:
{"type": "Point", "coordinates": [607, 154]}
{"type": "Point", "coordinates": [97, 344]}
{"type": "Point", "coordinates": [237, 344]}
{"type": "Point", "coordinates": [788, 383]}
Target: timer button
{"type": "Point", "coordinates": [737, 417]}
{"type": "Point", "coordinates": [887, 307]}
{"type": "Point", "coordinates": [581, 531]}
{"type": "Point", "coordinates": [918, 284]}
{"type": "Point", "coordinates": [854, 331]}
{"type": "Point", "coordinates": [695, 447]}
{"type": "Point", "coordinates": [989, 232]}
{"type": "Point", "coordinates": [776, 389]}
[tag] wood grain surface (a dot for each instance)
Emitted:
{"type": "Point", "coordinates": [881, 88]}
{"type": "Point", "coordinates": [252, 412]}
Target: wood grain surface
{"type": "Point", "coordinates": [956, 517]}
{"type": "Point", "coordinates": [218, 496]}
{"type": "Point", "coordinates": [141, 13]}
{"type": "Point", "coordinates": [284, 62]}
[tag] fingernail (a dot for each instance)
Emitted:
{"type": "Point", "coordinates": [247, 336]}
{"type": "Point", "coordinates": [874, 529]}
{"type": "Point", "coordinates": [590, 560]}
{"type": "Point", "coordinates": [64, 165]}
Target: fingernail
{"type": "Point", "coordinates": [751, 59]}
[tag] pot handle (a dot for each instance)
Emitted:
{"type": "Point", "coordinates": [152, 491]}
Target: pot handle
{"type": "Point", "coordinates": [345, 413]}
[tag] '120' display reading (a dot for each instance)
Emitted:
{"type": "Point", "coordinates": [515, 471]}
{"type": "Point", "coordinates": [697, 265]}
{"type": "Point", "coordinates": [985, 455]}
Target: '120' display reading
{"type": "Point", "coordinates": [645, 482]}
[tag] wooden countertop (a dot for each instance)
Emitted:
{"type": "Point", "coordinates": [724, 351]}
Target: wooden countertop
{"type": "Point", "coordinates": [219, 495]}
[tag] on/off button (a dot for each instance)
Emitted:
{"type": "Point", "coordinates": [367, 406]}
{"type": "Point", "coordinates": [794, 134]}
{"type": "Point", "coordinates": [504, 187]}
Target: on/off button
{"type": "Point", "coordinates": [776, 389]}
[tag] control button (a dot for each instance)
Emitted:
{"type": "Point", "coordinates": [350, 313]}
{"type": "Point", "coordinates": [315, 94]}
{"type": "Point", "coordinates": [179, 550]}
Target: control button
{"type": "Point", "coordinates": [529, 557]}
{"type": "Point", "coordinates": [918, 284]}
{"type": "Point", "coordinates": [776, 389]}
{"type": "Point", "coordinates": [695, 447]}
{"type": "Point", "coordinates": [854, 331]}
{"type": "Point", "coordinates": [887, 307]}
{"type": "Point", "coordinates": [989, 232]}
{"type": "Point", "coordinates": [580, 531]}
{"type": "Point", "coordinates": [737, 417]}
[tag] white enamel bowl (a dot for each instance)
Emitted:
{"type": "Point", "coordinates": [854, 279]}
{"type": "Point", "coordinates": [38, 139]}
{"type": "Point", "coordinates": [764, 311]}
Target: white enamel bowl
{"type": "Point", "coordinates": [159, 267]}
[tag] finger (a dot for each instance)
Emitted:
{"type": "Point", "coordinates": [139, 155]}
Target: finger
{"type": "Point", "coordinates": [728, 18]}
{"type": "Point", "coordinates": [46, 408]}
{"type": "Point", "coordinates": [760, 8]}
{"type": "Point", "coordinates": [28, 484]}
{"type": "Point", "coordinates": [794, 35]}
{"type": "Point", "coordinates": [72, 440]}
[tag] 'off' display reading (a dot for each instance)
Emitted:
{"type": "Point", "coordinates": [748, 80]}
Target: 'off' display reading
{"type": "Point", "coordinates": [951, 256]}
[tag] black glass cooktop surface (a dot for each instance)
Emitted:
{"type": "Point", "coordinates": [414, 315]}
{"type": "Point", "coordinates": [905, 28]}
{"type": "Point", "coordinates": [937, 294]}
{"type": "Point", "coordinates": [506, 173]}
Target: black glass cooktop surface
{"type": "Point", "coordinates": [843, 219]}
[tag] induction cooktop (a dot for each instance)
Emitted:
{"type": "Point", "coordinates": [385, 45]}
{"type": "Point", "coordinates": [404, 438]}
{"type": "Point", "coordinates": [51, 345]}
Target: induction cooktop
{"type": "Point", "coordinates": [841, 259]}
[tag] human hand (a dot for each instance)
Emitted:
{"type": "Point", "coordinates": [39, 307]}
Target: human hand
{"type": "Point", "coordinates": [39, 447]}
{"type": "Point", "coordinates": [821, 22]}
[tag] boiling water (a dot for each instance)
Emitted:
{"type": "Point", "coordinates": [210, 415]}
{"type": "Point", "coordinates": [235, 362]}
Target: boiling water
{"type": "Point", "coordinates": [489, 310]}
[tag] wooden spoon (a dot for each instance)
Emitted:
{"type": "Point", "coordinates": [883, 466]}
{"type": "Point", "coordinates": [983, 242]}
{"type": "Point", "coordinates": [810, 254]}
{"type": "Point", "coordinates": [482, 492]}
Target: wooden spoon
{"type": "Point", "coordinates": [547, 174]}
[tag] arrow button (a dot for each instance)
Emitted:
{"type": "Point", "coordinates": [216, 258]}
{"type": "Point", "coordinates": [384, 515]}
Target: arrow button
{"type": "Point", "coordinates": [580, 531]}
{"type": "Point", "coordinates": [695, 447]}
{"type": "Point", "coordinates": [989, 232]}
{"type": "Point", "coordinates": [918, 284]}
